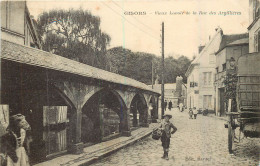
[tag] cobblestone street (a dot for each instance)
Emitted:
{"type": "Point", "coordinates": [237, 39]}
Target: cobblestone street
{"type": "Point", "coordinates": [197, 142]}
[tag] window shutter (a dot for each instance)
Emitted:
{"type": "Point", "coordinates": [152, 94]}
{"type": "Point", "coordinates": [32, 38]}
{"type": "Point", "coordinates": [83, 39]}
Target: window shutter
{"type": "Point", "coordinates": [258, 41]}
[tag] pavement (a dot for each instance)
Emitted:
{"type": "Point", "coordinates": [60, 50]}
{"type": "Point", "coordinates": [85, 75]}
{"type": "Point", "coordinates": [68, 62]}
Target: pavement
{"type": "Point", "coordinates": [98, 151]}
{"type": "Point", "coordinates": [201, 141]}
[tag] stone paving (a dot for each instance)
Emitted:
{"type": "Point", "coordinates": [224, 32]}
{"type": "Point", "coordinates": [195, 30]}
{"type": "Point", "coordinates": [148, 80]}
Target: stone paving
{"type": "Point", "coordinates": [97, 151]}
{"type": "Point", "coordinates": [197, 142]}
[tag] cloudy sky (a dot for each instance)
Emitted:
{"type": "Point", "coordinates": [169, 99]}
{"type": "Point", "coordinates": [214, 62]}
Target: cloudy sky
{"type": "Point", "coordinates": [183, 33]}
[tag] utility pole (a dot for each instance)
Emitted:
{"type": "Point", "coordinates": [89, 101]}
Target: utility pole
{"type": "Point", "coordinates": [162, 96]}
{"type": "Point", "coordinates": [152, 73]}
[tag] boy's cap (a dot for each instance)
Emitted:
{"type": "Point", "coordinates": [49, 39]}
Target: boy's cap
{"type": "Point", "coordinates": [167, 113]}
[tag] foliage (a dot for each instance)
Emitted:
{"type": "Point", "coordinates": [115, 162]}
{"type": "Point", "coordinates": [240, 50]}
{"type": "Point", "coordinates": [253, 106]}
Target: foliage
{"type": "Point", "coordinates": [230, 89]}
{"type": "Point", "coordinates": [138, 65]}
{"type": "Point", "coordinates": [76, 34]}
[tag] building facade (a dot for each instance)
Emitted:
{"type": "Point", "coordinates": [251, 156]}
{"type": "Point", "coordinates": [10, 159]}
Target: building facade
{"type": "Point", "coordinates": [200, 74]}
{"type": "Point", "coordinates": [17, 26]}
{"type": "Point", "coordinates": [254, 26]}
{"type": "Point", "coordinates": [233, 47]}
{"type": "Point", "coordinates": [174, 92]}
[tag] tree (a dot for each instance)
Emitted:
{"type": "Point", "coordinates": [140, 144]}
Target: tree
{"type": "Point", "coordinates": [138, 65]}
{"type": "Point", "coordinates": [77, 35]}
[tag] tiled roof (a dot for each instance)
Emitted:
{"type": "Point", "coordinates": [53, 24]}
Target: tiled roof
{"type": "Point", "coordinates": [240, 41]}
{"type": "Point", "coordinates": [169, 86]}
{"type": "Point", "coordinates": [228, 39]}
{"type": "Point", "coordinates": [35, 57]}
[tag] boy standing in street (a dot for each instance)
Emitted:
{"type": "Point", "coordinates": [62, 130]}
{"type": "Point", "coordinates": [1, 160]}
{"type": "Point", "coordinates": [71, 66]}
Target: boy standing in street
{"type": "Point", "coordinates": [166, 127]}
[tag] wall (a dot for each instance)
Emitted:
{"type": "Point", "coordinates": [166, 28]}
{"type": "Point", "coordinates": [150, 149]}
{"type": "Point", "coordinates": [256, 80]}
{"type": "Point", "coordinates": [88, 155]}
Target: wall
{"type": "Point", "coordinates": [192, 98]}
{"type": "Point", "coordinates": [12, 20]}
{"type": "Point", "coordinates": [16, 24]}
{"type": "Point", "coordinates": [236, 52]}
{"type": "Point", "coordinates": [253, 29]}
{"type": "Point", "coordinates": [221, 58]}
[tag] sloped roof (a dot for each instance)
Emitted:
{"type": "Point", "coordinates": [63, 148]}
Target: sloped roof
{"type": "Point", "coordinates": [35, 57]}
{"type": "Point", "coordinates": [240, 41]}
{"type": "Point", "coordinates": [167, 86]}
{"type": "Point", "coordinates": [228, 39]}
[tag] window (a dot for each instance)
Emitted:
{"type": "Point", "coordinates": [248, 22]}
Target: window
{"type": "Point", "coordinates": [256, 9]}
{"type": "Point", "coordinates": [212, 58]}
{"type": "Point", "coordinates": [191, 84]}
{"type": "Point", "coordinates": [207, 102]}
{"type": "Point", "coordinates": [256, 41]}
{"type": "Point", "coordinates": [55, 128]}
{"type": "Point", "coordinates": [224, 67]}
{"type": "Point", "coordinates": [207, 80]}
{"type": "Point", "coordinates": [217, 69]}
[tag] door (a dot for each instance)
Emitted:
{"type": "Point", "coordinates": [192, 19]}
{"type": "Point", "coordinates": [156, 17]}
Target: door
{"type": "Point", "coordinates": [222, 102]}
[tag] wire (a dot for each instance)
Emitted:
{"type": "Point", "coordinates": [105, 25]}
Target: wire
{"type": "Point", "coordinates": [133, 17]}
{"type": "Point", "coordinates": [130, 22]}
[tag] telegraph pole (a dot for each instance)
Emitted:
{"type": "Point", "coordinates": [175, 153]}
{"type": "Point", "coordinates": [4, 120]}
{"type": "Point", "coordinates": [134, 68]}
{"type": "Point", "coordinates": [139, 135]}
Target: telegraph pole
{"type": "Point", "coordinates": [162, 96]}
{"type": "Point", "coordinates": [152, 73]}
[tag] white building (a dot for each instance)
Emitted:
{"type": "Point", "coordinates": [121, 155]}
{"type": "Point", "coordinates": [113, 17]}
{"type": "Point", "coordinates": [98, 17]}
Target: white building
{"type": "Point", "coordinates": [200, 74]}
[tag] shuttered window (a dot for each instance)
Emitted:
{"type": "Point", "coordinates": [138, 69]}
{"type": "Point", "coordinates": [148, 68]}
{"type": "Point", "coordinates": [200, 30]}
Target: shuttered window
{"type": "Point", "coordinates": [55, 128]}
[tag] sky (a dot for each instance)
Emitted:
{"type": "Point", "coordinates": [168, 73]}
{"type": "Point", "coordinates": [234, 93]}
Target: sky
{"type": "Point", "coordinates": [184, 30]}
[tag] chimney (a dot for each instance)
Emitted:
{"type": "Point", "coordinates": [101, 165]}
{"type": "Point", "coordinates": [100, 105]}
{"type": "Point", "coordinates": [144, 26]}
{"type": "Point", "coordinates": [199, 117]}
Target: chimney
{"type": "Point", "coordinates": [178, 86]}
{"type": "Point", "coordinates": [201, 48]}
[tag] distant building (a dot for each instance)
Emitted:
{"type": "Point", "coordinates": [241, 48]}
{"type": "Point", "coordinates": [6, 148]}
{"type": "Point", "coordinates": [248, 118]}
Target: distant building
{"type": "Point", "coordinates": [17, 26]}
{"type": "Point", "coordinates": [174, 92]}
{"type": "Point", "coordinates": [254, 24]}
{"type": "Point", "coordinates": [232, 47]}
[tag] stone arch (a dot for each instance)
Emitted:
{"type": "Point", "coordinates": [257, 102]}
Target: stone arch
{"type": "Point", "coordinates": [72, 113]}
{"type": "Point", "coordinates": [40, 97]}
{"type": "Point", "coordinates": [103, 114]}
{"type": "Point", "coordinates": [64, 96]}
{"type": "Point", "coordinates": [127, 96]}
{"type": "Point", "coordinates": [91, 93]}
{"type": "Point", "coordinates": [139, 111]}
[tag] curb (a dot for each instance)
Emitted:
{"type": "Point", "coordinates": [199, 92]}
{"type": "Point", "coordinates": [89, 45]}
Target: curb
{"type": "Point", "coordinates": [217, 117]}
{"type": "Point", "coordinates": [95, 159]}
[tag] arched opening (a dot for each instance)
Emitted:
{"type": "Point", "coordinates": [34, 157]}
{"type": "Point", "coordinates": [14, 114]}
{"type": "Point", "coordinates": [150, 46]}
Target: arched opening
{"type": "Point", "coordinates": [138, 111]}
{"type": "Point", "coordinates": [103, 116]}
{"type": "Point", "coordinates": [46, 109]}
{"type": "Point", "coordinates": [51, 114]}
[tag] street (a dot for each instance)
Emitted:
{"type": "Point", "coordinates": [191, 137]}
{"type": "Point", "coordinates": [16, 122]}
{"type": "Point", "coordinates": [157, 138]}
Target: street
{"type": "Point", "coordinates": [201, 141]}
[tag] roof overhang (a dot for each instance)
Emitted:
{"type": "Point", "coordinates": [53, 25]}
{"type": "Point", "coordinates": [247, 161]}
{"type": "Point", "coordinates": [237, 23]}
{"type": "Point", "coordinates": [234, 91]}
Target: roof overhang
{"type": "Point", "coordinates": [35, 57]}
{"type": "Point", "coordinates": [230, 45]}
